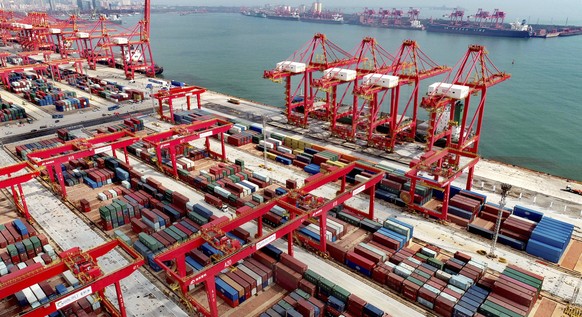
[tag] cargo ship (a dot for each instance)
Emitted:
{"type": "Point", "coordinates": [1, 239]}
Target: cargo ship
{"type": "Point", "coordinates": [254, 13]}
{"type": "Point", "coordinates": [483, 24]}
{"type": "Point", "coordinates": [570, 32]}
{"type": "Point", "coordinates": [333, 19]}
{"type": "Point", "coordinates": [283, 16]}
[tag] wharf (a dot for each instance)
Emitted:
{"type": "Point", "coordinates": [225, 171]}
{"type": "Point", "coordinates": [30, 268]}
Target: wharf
{"type": "Point", "coordinates": [531, 189]}
{"type": "Point", "coordinates": [68, 230]}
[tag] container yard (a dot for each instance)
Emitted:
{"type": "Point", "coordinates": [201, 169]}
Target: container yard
{"type": "Point", "coordinates": [222, 208]}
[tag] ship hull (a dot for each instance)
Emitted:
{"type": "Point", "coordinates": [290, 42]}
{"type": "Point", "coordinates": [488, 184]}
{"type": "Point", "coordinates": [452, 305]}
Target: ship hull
{"type": "Point", "coordinates": [285, 18]}
{"type": "Point", "coordinates": [323, 21]}
{"type": "Point", "coordinates": [468, 30]}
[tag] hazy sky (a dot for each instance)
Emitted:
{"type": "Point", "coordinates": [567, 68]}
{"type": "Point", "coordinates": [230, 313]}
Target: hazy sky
{"type": "Point", "coordinates": [558, 10]}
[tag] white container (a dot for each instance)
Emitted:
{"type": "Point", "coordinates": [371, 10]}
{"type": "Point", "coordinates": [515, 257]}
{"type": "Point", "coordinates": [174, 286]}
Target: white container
{"type": "Point", "coordinates": [449, 90]}
{"type": "Point", "coordinates": [21, 265]}
{"type": "Point", "coordinates": [361, 179]}
{"type": "Point", "coordinates": [119, 40]}
{"type": "Point", "coordinates": [55, 31]}
{"type": "Point", "coordinates": [82, 35]}
{"type": "Point", "coordinates": [114, 193]}
{"type": "Point", "coordinates": [386, 81]}
{"type": "Point", "coordinates": [292, 67]}
{"type": "Point", "coordinates": [126, 184]}
{"type": "Point", "coordinates": [340, 74]}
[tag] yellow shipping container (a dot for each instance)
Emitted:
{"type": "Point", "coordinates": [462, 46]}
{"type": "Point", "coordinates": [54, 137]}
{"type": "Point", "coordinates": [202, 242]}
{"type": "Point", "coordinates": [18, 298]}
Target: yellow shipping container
{"type": "Point", "coordinates": [271, 156]}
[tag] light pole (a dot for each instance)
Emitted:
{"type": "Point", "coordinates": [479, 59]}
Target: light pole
{"type": "Point", "coordinates": [504, 191]}
{"type": "Point", "coordinates": [265, 140]}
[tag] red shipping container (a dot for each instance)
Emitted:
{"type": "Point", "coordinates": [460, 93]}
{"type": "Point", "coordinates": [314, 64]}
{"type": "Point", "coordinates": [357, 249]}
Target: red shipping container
{"type": "Point", "coordinates": [360, 260]}
{"type": "Point", "coordinates": [307, 287]}
{"type": "Point", "coordinates": [385, 241]}
{"type": "Point", "coordinates": [243, 283]}
{"type": "Point", "coordinates": [509, 304]}
{"type": "Point", "coordinates": [410, 290]}
{"type": "Point", "coordinates": [369, 255]}
{"type": "Point", "coordinates": [251, 281]}
{"type": "Point", "coordinates": [394, 281]}
{"type": "Point", "coordinates": [264, 259]}
{"type": "Point", "coordinates": [336, 251]}
{"type": "Point", "coordinates": [462, 257]}
{"type": "Point", "coordinates": [293, 263]}
{"type": "Point", "coordinates": [305, 308]}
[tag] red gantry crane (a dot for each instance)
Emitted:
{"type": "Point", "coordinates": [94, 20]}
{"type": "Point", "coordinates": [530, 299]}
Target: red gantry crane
{"type": "Point", "coordinates": [221, 226]}
{"type": "Point", "coordinates": [14, 182]}
{"type": "Point", "coordinates": [370, 58]}
{"type": "Point", "coordinates": [410, 66]}
{"type": "Point", "coordinates": [318, 54]}
{"type": "Point", "coordinates": [176, 136]}
{"type": "Point", "coordinates": [83, 264]}
{"type": "Point", "coordinates": [462, 130]}
{"type": "Point", "coordinates": [444, 167]}
{"type": "Point", "coordinates": [168, 95]}
{"type": "Point", "coordinates": [77, 149]}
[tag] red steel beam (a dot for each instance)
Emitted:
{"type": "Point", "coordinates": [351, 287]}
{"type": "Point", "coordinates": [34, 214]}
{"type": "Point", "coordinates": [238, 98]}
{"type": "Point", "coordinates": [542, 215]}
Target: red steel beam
{"type": "Point", "coordinates": [10, 286]}
{"type": "Point", "coordinates": [19, 179]}
{"type": "Point", "coordinates": [207, 275]}
{"type": "Point", "coordinates": [443, 185]}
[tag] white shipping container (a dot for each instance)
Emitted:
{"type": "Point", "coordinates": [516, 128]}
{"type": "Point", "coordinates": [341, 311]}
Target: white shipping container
{"type": "Point", "coordinates": [361, 179]}
{"type": "Point", "coordinates": [82, 35]}
{"type": "Point", "coordinates": [337, 224]}
{"type": "Point", "coordinates": [38, 293]}
{"type": "Point", "coordinates": [120, 40]}
{"type": "Point", "coordinates": [30, 296]}
{"type": "Point", "coordinates": [268, 145]}
{"type": "Point", "coordinates": [55, 31]}
{"type": "Point", "coordinates": [114, 193]}
{"type": "Point", "coordinates": [275, 141]}
{"type": "Point", "coordinates": [102, 197]}
{"type": "Point", "coordinates": [260, 176]}
{"type": "Point", "coordinates": [250, 273]}
{"type": "Point", "coordinates": [253, 185]}
{"type": "Point", "coordinates": [449, 90]}
{"type": "Point", "coordinates": [386, 81]}
{"type": "Point", "coordinates": [21, 265]}
{"type": "Point", "coordinates": [340, 74]}
{"type": "Point", "coordinates": [70, 278]}
{"type": "Point", "coordinates": [285, 150]}
{"type": "Point", "coordinates": [292, 67]}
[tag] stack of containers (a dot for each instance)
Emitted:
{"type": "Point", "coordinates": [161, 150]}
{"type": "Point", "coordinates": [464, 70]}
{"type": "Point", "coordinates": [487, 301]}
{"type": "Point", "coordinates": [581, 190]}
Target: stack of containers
{"type": "Point", "coordinates": [549, 239]}
{"type": "Point", "coordinates": [514, 293]}
{"type": "Point", "coordinates": [23, 150]}
{"type": "Point", "coordinates": [198, 213]}
{"type": "Point", "coordinates": [516, 231]}
{"type": "Point", "coordinates": [462, 209]}
{"type": "Point", "coordinates": [9, 112]}
{"type": "Point", "coordinates": [69, 104]}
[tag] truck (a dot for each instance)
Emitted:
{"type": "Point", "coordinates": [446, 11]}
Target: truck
{"type": "Point", "coordinates": [114, 107]}
{"type": "Point", "coordinates": [57, 116]}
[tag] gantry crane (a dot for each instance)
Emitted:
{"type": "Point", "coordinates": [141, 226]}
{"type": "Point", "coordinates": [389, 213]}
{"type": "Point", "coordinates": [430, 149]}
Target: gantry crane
{"type": "Point", "coordinates": [318, 54]}
{"type": "Point", "coordinates": [8, 179]}
{"type": "Point", "coordinates": [370, 58]}
{"type": "Point", "coordinates": [409, 67]}
{"type": "Point", "coordinates": [84, 265]}
{"type": "Point", "coordinates": [474, 75]}
{"type": "Point", "coordinates": [177, 254]}
{"type": "Point", "coordinates": [80, 148]}
{"type": "Point", "coordinates": [169, 140]}
{"type": "Point", "coordinates": [444, 167]}
{"type": "Point", "coordinates": [168, 95]}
